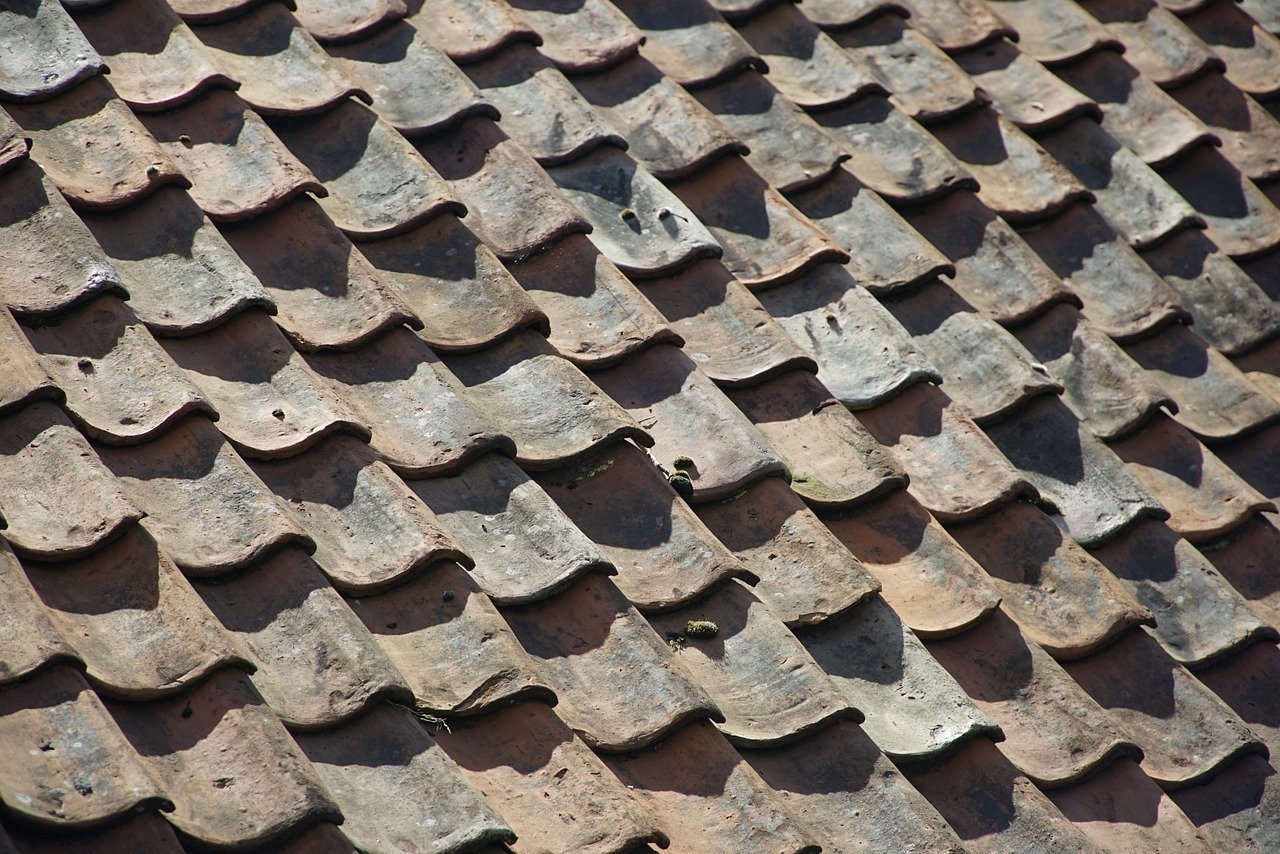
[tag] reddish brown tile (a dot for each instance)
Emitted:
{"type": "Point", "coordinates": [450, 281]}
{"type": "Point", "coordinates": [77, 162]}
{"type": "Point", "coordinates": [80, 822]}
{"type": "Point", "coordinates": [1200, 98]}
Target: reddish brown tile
{"type": "Point", "coordinates": [237, 166]}
{"type": "Point", "coordinates": [725, 328]}
{"type": "Point", "coordinates": [1056, 31]}
{"type": "Point", "coordinates": [688, 416]}
{"type": "Point", "coordinates": [540, 108]}
{"type": "Point", "coordinates": [204, 506]}
{"type": "Point", "coordinates": [218, 751]}
{"type": "Point", "coordinates": [1243, 558]}
{"type": "Point", "coordinates": [928, 579]}
{"type": "Point", "coordinates": [705, 796]}
{"type": "Point", "coordinates": [281, 69]}
{"type": "Point", "coordinates": [1155, 41]}
{"type": "Point", "coordinates": [805, 574]}
{"type": "Point", "coordinates": [1249, 134]}
{"type": "Point", "coordinates": [182, 276]}
{"type": "Point", "coordinates": [620, 686]}
{"type": "Point", "coordinates": [42, 453]}
{"type": "Point", "coordinates": [329, 296]}
{"type": "Point", "coordinates": [156, 61]}
{"type": "Point", "coordinates": [212, 10]}
{"type": "Point", "coordinates": [397, 789]}
{"type": "Point", "coordinates": [450, 644]}
{"type": "Point", "coordinates": [121, 387]}
{"type": "Point", "coordinates": [522, 547]}
{"type": "Point", "coordinates": [1030, 95]}
{"type": "Point", "coordinates": [270, 403]}
{"type": "Point", "coordinates": [1056, 734]}
{"type": "Point", "coordinates": [68, 763]}
{"type": "Point", "coordinates": [146, 832]}
{"type": "Point", "coordinates": [378, 184]}
{"type": "Point", "coordinates": [28, 637]}
{"type": "Point", "coordinates": [23, 380]}
{"type": "Point", "coordinates": [134, 620]}
{"type": "Point", "coordinates": [48, 259]}
{"type": "Point", "coordinates": [47, 53]}
{"type": "Point", "coordinates": [1062, 598]}
{"type": "Point", "coordinates": [689, 41]}
{"type": "Point", "coordinates": [472, 30]}
{"type": "Point", "coordinates": [396, 65]}
{"type": "Point", "coordinates": [955, 470]}
{"type": "Point", "coordinates": [514, 205]}
{"type": "Point", "coordinates": [1241, 219]}
{"type": "Point", "coordinates": [1237, 808]}
{"type": "Point", "coordinates": [370, 530]}
{"type": "Point", "coordinates": [349, 22]}
{"type": "Point", "coordinates": [834, 462]}
{"type": "Point", "coordinates": [13, 145]}
{"type": "Point", "coordinates": [1250, 52]}
{"type": "Point", "coordinates": [956, 25]}
{"type": "Point", "coordinates": [583, 35]}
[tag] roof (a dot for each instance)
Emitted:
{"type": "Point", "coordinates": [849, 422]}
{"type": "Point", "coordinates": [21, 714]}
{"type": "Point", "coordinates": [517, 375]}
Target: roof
{"type": "Point", "coordinates": [444, 424]}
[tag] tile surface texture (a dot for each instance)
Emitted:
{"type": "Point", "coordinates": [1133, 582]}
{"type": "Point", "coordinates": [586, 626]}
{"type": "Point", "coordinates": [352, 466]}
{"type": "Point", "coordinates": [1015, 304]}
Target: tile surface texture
{"type": "Point", "coordinates": [623, 425]}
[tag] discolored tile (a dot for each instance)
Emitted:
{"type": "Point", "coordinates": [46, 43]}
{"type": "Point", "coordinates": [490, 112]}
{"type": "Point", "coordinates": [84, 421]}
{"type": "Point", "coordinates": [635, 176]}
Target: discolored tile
{"type": "Point", "coordinates": [47, 53]}
{"type": "Point", "coordinates": [1155, 40]}
{"type": "Point", "coordinates": [145, 832]}
{"type": "Point", "coordinates": [689, 42]}
{"type": "Point", "coordinates": [581, 36]}
{"type": "Point", "coordinates": [1248, 133]}
{"type": "Point", "coordinates": [956, 25]}
{"type": "Point", "coordinates": [23, 380]}
{"type": "Point", "coordinates": [349, 22]}
{"type": "Point", "coordinates": [1055, 32]}
{"type": "Point", "coordinates": [1241, 219]}
{"type": "Point", "coordinates": [1236, 808]}
{"type": "Point", "coordinates": [13, 145]}
{"type": "Point", "coordinates": [1243, 558]}
{"type": "Point", "coordinates": [1248, 49]}
{"type": "Point", "coordinates": [29, 639]}
{"type": "Point", "coordinates": [204, 506]}
{"type": "Point", "coordinates": [1030, 95]}
{"type": "Point", "coordinates": [468, 32]}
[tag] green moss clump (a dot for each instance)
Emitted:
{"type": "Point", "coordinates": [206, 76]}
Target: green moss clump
{"type": "Point", "coordinates": [701, 629]}
{"type": "Point", "coordinates": [681, 483]}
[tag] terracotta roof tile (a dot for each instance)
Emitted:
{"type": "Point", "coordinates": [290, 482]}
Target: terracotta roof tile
{"type": "Point", "coordinates": [864, 356]}
{"type": "Point", "coordinates": [204, 506]}
{"type": "Point", "coordinates": [41, 451]}
{"type": "Point", "coordinates": [50, 261]}
{"type": "Point", "coordinates": [67, 133]}
{"type": "Point", "coordinates": [349, 22]}
{"type": "Point", "coordinates": [931, 583]}
{"type": "Point", "coordinates": [955, 470]}
{"type": "Point", "coordinates": [216, 751]}
{"type": "Point", "coordinates": [1241, 219]}
{"type": "Point", "coordinates": [68, 762]}
{"type": "Point", "coordinates": [1062, 598]}
{"type": "Point", "coordinates": [638, 223]}
{"type": "Point", "coordinates": [620, 686]}
{"type": "Point", "coordinates": [1242, 558]}
{"type": "Point", "coordinates": [399, 62]}
{"type": "Point", "coordinates": [436, 426]}
{"type": "Point", "coordinates": [847, 793]}
{"type": "Point", "coordinates": [886, 254]}
{"type": "Point", "coordinates": [1199, 618]}
{"type": "Point", "coordinates": [958, 24]}
{"type": "Point", "coordinates": [1018, 178]}
{"type": "Point", "coordinates": [583, 35]}
{"type": "Point", "coordinates": [1136, 111]}
{"type": "Point", "coordinates": [1055, 31]}
{"type": "Point", "coordinates": [834, 462]}
{"type": "Point", "coordinates": [687, 415]}
{"type": "Point", "coordinates": [1089, 256]}
{"type": "Point", "coordinates": [1024, 91]}
{"type": "Point", "coordinates": [156, 61]}
{"type": "Point", "coordinates": [923, 80]}
{"type": "Point", "coordinates": [995, 270]}
{"type": "Point", "coordinates": [328, 295]}
{"type": "Point", "coordinates": [740, 11]}
{"type": "Point", "coordinates": [370, 530]}
{"type": "Point", "coordinates": [408, 794]}
{"type": "Point", "coordinates": [13, 145]}
{"type": "Point", "coordinates": [377, 183]}
{"type": "Point", "coordinates": [1248, 132]}
{"type": "Point", "coordinates": [689, 41]}
{"type": "Point", "coordinates": [1263, 14]}
{"type": "Point", "coordinates": [144, 832]}
{"type": "Point", "coordinates": [1250, 52]}
{"type": "Point", "coordinates": [703, 793]}
{"type": "Point", "coordinates": [1164, 709]}
{"type": "Point", "coordinates": [526, 759]}
{"type": "Point", "coordinates": [24, 380]}
{"type": "Point", "coordinates": [47, 52]}
{"type": "Point", "coordinates": [788, 148]}
{"type": "Point", "coordinates": [237, 166]}
{"type": "Point", "coordinates": [768, 688]}
{"type": "Point", "coordinates": [539, 399]}
{"type": "Point", "coordinates": [663, 553]}
{"type": "Point", "coordinates": [450, 644]}
{"type": "Point", "coordinates": [725, 329]}
{"type": "Point", "coordinates": [1155, 41]}
{"type": "Point", "coordinates": [270, 402]}
{"type": "Point", "coordinates": [914, 710]}
{"type": "Point", "coordinates": [892, 154]}
{"type": "Point", "coordinates": [31, 641]}
{"type": "Point", "coordinates": [1105, 388]}
{"type": "Point", "coordinates": [133, 619]}
{"type": "Point", "coordinates": [492, 507]}
{"type": "Point", "coordinates": [1056, 734]}
{"type": "Point", "coordinates": [1237, 808]}
{"type": "Point", "coordinates": [539, 107]}
{"type": "Point", "coordinates": [281, 69]}
{"type": "Point", "coordinates": [463, 295]}
{"type": "Point", "coordinates": [806, 575]}
{"type": "Point", "coordinates": [195, 11]}
{"type": "Point", "coordinates": [667, 129]}
{"type": "Point", "coordinates": [182, 276]}
{"type": "Point", "coordinates": [121, 387]}
{"type": "Point", "coordinates": [984, 368]}
{"type": "Point", "coordinates": [486, 168]}
{"type": "Point", "coordinates": [473, 29]}
{"type": "Point", "coordinates": [805, 64]}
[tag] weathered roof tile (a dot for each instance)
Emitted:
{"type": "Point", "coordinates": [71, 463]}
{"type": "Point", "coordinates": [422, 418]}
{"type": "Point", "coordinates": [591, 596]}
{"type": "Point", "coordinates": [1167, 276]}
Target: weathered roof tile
{"type": "Point", "coordinates": [1250, 136]}
{"type": "Point", "coordinates": [46, 53]}
{"type": "Point", "coordinates": [1240, 217]}
{"type": "Point", "coordinates": [29, 640]}
{"type": "Point", "coordinates": [23, 380]}
{"type": "Point", "coordinates": [690, 42]}
{"type": "Point", "coordinates": [1250, 52]}
{"type": "Point", "coordinates": [1055, 31]}
{"type": "Point", "coordinates": [212, 10]}
{"type": "Point", "coordinates": [1242, 558]}
{"type": "Point", "coordinates": [472, 30]}
{"type": "Point", "coordinates": [13, 145]}
{"type": "Point", "coordinates": [956, 25]}
{"type": "Point", "coordinates": [42, 453]}
{"type": "Point", "coordinates": [1155, 41]}
{"type": "Point", "coordinates": [1237, 807]}
{"type": "Point", "coordinates": [495, 510]}
{"type": "Point", "coordinates": [1031, 96]}
{"type": "Point", "coordinates": [581, 36]}
{"type": "Point", "coordinates": [350, 20]}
